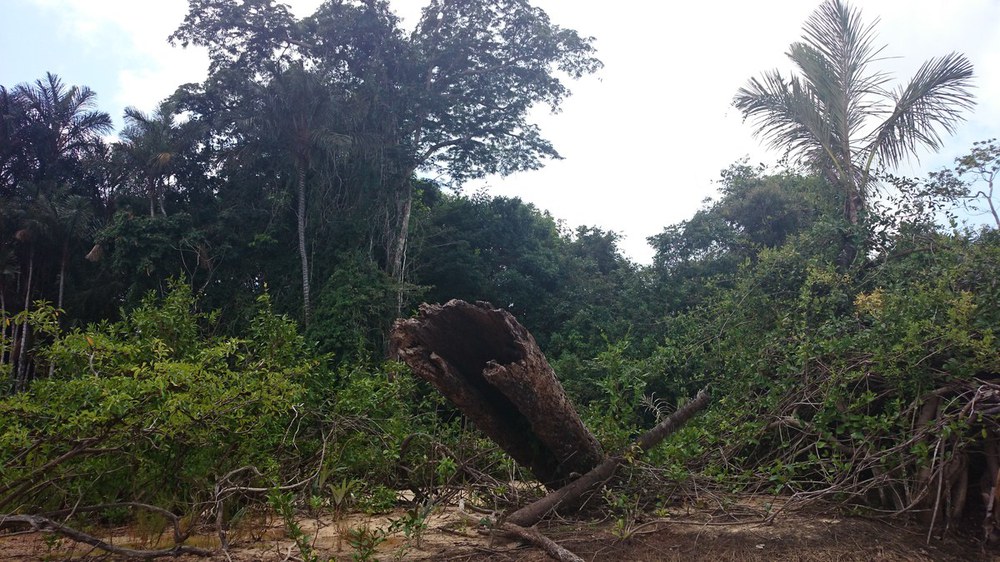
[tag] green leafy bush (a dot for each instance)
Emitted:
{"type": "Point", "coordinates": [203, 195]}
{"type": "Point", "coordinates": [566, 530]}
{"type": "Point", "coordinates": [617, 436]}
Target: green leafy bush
{"type": "Point", "coordinates": [152, 408]}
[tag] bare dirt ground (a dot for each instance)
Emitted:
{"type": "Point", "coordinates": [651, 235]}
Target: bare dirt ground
{"type": "Point", "coordinates": [737, 534]}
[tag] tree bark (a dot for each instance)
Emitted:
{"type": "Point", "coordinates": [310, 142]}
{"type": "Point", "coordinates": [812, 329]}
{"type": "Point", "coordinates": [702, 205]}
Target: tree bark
{"type": "Point", "coordinates": [62, 285]}
{"type": "Point", "coordinates": [534, 512]}
{"type": "Point", "coordinates": [490, 367]}
{"type": "Point", "coordinates": [397, 251]}
{"type": "Point", "coordinates": [152, 199]}
{"type": "Point", "coordinates": [4, 346]}
{"type": "Point", "coordinates": [22, 360]}
{"type": "Point", "coordinates": [303, 257]}
{"type": "Point", "coordinates": [62, 272]}
{"type": "Point", "coordinates": [404, 205]}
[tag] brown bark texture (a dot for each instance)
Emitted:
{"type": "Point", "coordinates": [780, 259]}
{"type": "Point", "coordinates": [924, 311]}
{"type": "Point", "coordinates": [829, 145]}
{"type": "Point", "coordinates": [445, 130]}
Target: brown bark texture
{"type": "Point", "coordinates": [489, 366]}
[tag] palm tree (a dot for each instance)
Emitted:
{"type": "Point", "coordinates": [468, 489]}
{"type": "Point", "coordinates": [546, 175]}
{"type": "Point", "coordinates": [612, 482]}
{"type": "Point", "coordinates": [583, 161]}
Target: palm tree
{"type": "Point", "coordinates": [295, 116]}
{"type": "Point", "coordinates": [840, 116]}
{"type": "Point", "coordinates": [56, 127]}
{"type": "Point", "coordinates": [8, 270]}
{"type": "Point", "coordinates": [60, 127]}
{"type": "Point", "coordinates": [67, 218]}
{"type": "Point", "coordinates": [13, 160]}
{"type": "Point", "coordinates": [153, 145]}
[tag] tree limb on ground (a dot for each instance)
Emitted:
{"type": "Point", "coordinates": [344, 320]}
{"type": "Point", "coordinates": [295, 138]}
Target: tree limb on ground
{"type": "Point", "coordinates": [545, 543]}
{"type": "Point", "coordinates": [534, 512]}
{"type": "Point", "coordinates": [44, 524]}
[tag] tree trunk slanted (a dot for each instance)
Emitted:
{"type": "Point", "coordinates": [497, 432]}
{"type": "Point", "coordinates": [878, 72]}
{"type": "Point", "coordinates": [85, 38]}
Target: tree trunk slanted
{"type": "Point", "coordinates": [489, 366]}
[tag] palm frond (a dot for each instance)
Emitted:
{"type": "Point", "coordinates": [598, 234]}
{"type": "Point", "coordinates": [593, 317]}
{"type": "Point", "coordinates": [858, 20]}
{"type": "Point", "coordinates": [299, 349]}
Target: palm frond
{"type": "Point", "coordinates": [787, 115]}
{"type": "Point", "coordinates": [834, 59]}
{"type": "Point", "coordinates": [934, 99]}
{"type": "Point", "coordinates": [839, 35]}
{"type": "Point", "coordinates": [135, 116]}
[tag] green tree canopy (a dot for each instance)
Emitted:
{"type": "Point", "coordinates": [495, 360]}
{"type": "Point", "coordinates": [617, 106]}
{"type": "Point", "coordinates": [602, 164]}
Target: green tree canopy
{"type": "Point", "coordinates": [453, 96]}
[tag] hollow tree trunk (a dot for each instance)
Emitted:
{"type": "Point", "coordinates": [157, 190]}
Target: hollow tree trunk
{"type": "Point", "coordinates": [490, 367]}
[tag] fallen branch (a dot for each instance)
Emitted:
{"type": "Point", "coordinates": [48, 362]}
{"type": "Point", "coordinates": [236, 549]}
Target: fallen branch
{"type": "Point", "coordinates": [40, 524]}
{"type": "Point", "coordinates": [540, 540]}
{"type": "Point", "coordinates": [534, 512]}
{"type": "Point", "coordinates": [180, 535]}
{"type": "Point", "coordinates": [12, 492]}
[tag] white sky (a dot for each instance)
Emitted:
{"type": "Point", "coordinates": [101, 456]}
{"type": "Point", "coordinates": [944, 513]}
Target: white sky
{"type": "Point", "coordinates": [643, 141]}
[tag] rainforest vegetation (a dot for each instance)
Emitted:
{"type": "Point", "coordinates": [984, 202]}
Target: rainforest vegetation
{"type": "Point", "coordinates": [194, 310]}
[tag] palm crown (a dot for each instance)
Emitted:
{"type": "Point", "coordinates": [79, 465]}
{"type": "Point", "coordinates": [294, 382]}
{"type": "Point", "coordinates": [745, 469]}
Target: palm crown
{"type": "Point", "coordinates": [841, 116]}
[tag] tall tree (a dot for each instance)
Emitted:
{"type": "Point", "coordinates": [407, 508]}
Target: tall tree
{"type": "Point", "coordinates": [54, 129]}
{"type": "Point", "coordinates": [14, 162]}
{"type": "Point", "coordinates": [481, 67]}
{"type": "Point", "coordinates": [972, 182]}
{"type": "Point", "coordinates": [452, 96]}
{"type": "Point", "coordinates": [838, 113]}
{"type": "Point", "coordinates": [60, 126]}
{"type": "Point", "coordinates": [295, 116]}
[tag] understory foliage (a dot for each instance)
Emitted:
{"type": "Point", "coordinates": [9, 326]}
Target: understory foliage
{"type": "Point", "coordinates": [158, 410]}
{"type": "Point", "coordinates": [822, 375]}
{"type": "Point", "coordinates": [874, 385]}
{"type": "Point", "coordinates": [152, 408]}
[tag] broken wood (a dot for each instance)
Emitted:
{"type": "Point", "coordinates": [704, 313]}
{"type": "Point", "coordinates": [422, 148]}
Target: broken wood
{"type": "Point", "coordinates": [489, 366]}
{"type": "Point", "coordinates": [545, 543]}
{"type": "Point", "coordinates": [534, 512]}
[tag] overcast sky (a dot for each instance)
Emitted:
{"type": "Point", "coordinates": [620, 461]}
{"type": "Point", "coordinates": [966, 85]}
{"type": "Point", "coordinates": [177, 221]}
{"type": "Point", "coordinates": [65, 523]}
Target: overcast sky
{"type": "Point", "coordinates": [643, 141]}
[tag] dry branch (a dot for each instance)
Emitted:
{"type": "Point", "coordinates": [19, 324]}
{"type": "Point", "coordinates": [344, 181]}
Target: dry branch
{"type": "Point", "coordinates": [534, 512]}
{"type": "Point", "coordinates": [180, 535]}
{"type": "Point", "coordinates": [543, 542]}
{"type": "Point", "coordinates": [40, 524]}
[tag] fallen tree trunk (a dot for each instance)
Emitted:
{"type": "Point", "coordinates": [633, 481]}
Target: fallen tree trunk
{"type": "Point", "coordinates": [489, 366]}
{"type": "Point", "coordinates": [534, 512]}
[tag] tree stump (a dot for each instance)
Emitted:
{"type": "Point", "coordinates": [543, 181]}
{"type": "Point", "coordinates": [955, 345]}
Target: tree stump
{"type": "Point", "coordinates": [489, 366]}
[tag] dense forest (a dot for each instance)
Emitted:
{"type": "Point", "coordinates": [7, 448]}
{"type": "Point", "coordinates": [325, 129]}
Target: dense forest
{"type": "Point", "coordinates": [194, 310]}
